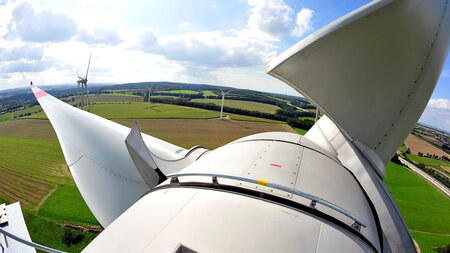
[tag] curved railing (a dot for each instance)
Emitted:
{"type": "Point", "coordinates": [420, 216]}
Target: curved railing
{"type": "Point", "coordinates": [31, 244]}
{"type": "Point", "coordinates": [314, 200]}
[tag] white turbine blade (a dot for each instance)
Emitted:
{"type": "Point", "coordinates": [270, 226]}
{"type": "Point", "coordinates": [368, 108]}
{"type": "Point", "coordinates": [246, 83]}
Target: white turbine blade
{"type": "Point", "coordinates": [370, 74]}
{"type": "Point", "coordinates": [141, 157]}
{"type": "Point", "coordinates": [98, 159]}
{"type": "Point", "coordinates": [89, 63]}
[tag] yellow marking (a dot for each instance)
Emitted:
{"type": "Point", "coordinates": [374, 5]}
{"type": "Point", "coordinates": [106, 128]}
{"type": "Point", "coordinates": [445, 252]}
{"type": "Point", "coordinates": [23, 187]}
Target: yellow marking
{"type": "Point", "coordinates": [262, 182]}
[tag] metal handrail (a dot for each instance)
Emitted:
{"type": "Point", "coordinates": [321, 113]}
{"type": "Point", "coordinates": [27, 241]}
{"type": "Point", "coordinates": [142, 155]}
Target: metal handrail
{"type": "Point", "coordinates": [31, 244]}
{"type": "Point", "coordinates": [358, 222]}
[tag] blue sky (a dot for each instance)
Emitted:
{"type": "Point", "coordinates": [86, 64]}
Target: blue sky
{"type": "Point", "coordinates": [216, 42]}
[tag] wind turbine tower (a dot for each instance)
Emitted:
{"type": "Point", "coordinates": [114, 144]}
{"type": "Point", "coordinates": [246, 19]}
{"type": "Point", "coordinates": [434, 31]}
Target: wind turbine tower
{"type": "Point", "coordinates": [149, 93]}
{"type": "Point", "coordinates": [223, 99]}
{"type": "Point", "coordinates": [82, 87]}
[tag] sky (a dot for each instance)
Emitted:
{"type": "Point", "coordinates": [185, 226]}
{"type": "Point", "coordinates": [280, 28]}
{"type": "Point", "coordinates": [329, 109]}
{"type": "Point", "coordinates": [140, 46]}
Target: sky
{"type": "Point", "coordinates": [198, 41]}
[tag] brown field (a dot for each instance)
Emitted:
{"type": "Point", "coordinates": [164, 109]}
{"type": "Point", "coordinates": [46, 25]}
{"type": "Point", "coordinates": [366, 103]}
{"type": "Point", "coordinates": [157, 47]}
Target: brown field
{"type": "Point", "coordinates": [417, 145]}
{"type": "Point", "coordinates": [30, 129]}
{"type": "Point", "coordinates": [20, 187]}
{"type": "Point", "coordinates": [212, 133]}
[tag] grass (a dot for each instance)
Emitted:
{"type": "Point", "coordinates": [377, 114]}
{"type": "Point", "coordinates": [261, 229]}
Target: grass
{"type": "Point", "coordinates": [307, 118]}
{"type": "Point", "coordinates": [122, 95]}
{"type": "Point", "coordinates": [428, 161]}
{"type": "Point", "coordinates": [50, 234]}
{"type": "Point", "coordinates": [300, 131]}
{"type": "Point", "coordinates": [140, 110]}
{"type": "Point", "coordinates": [436, 164]}
{"type": "Point", "coordinates": [183, 92]}
{"type": "Point", "coordinates": [246, 105]}
{"type": "Point", "coordinates": [6, 117]}
{"type": "Point", "coordinates": [423, 207]}
{"type": "Point", "coordinates": [67, 204]}
{"type": "Point", "coordinates": [208, 93]}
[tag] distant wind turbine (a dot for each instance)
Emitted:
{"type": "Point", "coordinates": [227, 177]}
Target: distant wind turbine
{"type": "Point", "coordinates": [223, 98]}
{"type": "Point", "coordinates": [82, 87]}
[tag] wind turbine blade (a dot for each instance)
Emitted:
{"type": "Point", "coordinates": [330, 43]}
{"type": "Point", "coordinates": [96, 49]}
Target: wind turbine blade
{"type": "Point", "coordinates": [77, 74]}
{"type": "Point", "coordinates": [97, 156]}
{"type": "Point", "coordinates": [228, 92]}
{"type": "Point", "coordinates": [221, 90]}
{"type": "Point", "coordinates": [89, 63]}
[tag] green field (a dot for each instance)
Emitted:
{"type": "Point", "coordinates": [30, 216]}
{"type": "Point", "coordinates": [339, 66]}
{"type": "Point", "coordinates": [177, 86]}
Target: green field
{"type": "Point", "coordinates": [122, 95]}
{"type": "Point", "coordinates": [208, 93]}
{"type": "Point", "coordinates": [184, 92]}
{"type": "Point", "coordinates": [300, 131]}
{"type": "Point", "coordinates": [424, 209]}
{"type": "Point", "coordinates": [246, 105]}
{"type": "Point", "coordinates": [66, 204]}
{"type": "Point", "coordinates": [428, 161]}
{"type": "Point", "coordinates": [307, 118]}
{"type": "Point", "coordinates": [49, 234]}
{"type": "Point", "coordinates": [6, 117]}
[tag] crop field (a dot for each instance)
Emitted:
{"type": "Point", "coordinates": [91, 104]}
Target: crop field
{"type": "Point", "coordinates": [211, 133]}
{"type": "Point", "coordinates": [118, 97]}
{"type": "Point", "coordinates": [246, 105]}
{"type": "Point", "coordinates": [24, 188]}
{"type": "Point", "coordinates": [208, 93]}
{"type": "Point", "coordinates": [425, 210]}
{"type": "Point", "coordinates": [66, 204]}
{"type": "Point", "coordinates": [417, 145]}
{"type": "Point", "coordinates": [29, 129]}
{"type": "Point", "coordinates": [437, 164]}
{"type": "Point", "coordinates": [183, 92]}
{"type": "Point", "coordinates": [6, 116]}
{"type": "Point", "coordinates": [122, 95]}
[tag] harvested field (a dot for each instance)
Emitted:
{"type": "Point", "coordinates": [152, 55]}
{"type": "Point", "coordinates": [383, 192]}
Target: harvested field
{"type": "Point", "coordinates": [28, 190]}
{"type": "Point", "coordinates": [211, 133]}
{"type": "Point", "coordinates": [39, 159]}
{"type": "Point", "coordinates": [417, 145]}
{"type": "Point", "coordinates": [31, 129]}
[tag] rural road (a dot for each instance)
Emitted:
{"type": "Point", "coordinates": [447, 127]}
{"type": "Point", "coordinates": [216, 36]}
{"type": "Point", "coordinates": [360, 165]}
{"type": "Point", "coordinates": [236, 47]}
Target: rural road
{"type": "Point", "coordinates": [435, 183]}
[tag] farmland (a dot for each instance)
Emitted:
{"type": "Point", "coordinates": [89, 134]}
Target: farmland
{"type": "Point", "coordinates": [418, 145]}
{"type": "Point", "coordinates": [424, 209]}
{"type": "Point", "coordinates": [183, 92]}
{"type": "Point", "coordinates": [210, 133]}
{"type": "Point", "coordinates": [33, 169]}
{"type": "Point", "coordinates": [246, 105]}
{"type": "Point", "coordinates": [437, 164]}
{"type": "Point", "coordinates": [208, 93]}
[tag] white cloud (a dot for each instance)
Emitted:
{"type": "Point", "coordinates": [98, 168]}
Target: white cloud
{"type": "Point", "coordinates": [185, 24]}
{"type": "Point", "coordinates": [42, 26]}
{"type": "Point", "coordinates": [440, 103]}
{"type": "Point", "coordinates": [212, 49]}
{"type": "Point", "coordinates": [303, 22]}
{"type": "Point", "coordinates": [99, 35]}
{"type": "Point", "coordinates": [271, 17]}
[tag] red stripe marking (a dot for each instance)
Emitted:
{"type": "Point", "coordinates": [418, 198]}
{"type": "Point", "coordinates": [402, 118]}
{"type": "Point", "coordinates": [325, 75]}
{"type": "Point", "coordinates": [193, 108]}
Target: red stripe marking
{"type": "Point", "coordinates": [40, 93]}
{"type": "Point", "coordinates": [32, 85]}
{"type": "Point", "coordinates": [276, 165]}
